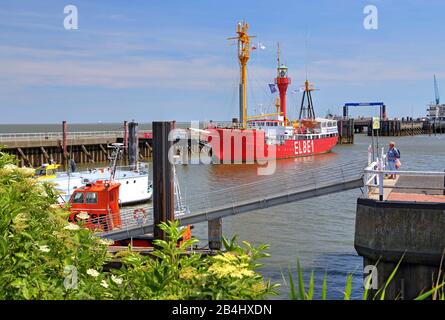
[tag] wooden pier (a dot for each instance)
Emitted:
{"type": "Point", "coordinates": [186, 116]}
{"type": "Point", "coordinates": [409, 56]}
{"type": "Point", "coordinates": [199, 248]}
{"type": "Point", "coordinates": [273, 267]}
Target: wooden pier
{"type": "Point", "coordinates": [388, 128]}
{"type": "Point", "coordinates": [400, 128]}
{"type": "Point", "coordinates": [345, 131]}
{"type": "Point", "coordinates": [396, 128]}
{"type": "Point", "coordinates": [34, 149]}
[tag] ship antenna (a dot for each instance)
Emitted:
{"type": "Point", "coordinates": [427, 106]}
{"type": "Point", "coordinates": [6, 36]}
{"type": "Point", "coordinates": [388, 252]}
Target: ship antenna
{"type": "Point", "coordinates": [278, 54]}
{"type": "Point", "coordinates": [307, 54]}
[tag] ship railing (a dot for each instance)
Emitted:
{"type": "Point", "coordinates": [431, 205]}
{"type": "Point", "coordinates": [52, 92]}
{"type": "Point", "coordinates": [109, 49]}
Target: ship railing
{"type": "Point", "coordinates": [126, 218]}
{"type": "Point", "coordinates": [223, 125]}
{"type": "Point", "coordinates": [141, 167]}
{"type": "Point", "coordinates": [129, 218]}
{"type": "Point", "coordinates": [375, 183]}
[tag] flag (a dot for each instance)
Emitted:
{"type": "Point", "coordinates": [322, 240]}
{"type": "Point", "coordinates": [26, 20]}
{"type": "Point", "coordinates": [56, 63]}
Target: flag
{"type": "Point", "coordinates": [272, 88]}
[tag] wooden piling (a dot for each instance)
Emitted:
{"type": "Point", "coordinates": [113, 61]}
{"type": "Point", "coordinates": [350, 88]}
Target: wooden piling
{"type": "Point", "coordinates": [215, 234]}
{"type": "Point", "coordinates": [163, 185]}
{"type": "Point", "coordinates": [104, 151]}
{"type": "Point", "coordinates": [45, 154]}
{"type": "Point", "coordinates": [345, 131]}
{"type": "Point", "coordinates": [65, 144]}
{"type": "Point", "coordinates": [89, 156]}
{"type": "Point", "coordinates": [125, 141]}
{"type": "Point", "coordinates": [133, 144]}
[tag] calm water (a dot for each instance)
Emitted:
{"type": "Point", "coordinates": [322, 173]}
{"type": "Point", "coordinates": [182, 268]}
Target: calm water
{"type": "Point", "coordinates": [319, 232]}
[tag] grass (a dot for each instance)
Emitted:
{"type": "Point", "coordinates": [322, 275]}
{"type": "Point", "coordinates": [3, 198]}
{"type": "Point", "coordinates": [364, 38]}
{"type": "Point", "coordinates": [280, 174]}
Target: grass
{"type": "Point", "coordinates": [437, 292]}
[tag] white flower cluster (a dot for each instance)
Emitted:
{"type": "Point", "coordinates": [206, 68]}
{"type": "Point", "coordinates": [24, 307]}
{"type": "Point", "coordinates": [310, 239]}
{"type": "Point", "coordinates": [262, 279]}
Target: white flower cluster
{"type": "Point", "coordinates": [44, 248]}
{"type": "Point", "coordinates": [82, 215]}
{"type": "Point", "coordinates": [93, 273]}
{"type": "Point", "coordinates": [72, 227]}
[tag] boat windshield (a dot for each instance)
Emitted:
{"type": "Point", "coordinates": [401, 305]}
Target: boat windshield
{"type": "Point", "coordinates": [40, 172]}
{"type": "Point", "coordinates": [91, 197]}
{"type": "Point", "coordinates": [78, 197]}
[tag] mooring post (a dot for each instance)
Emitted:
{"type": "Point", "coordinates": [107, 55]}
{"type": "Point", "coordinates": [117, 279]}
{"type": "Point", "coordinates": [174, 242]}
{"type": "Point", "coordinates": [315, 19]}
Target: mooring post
{"type": "Point", "coordinates": [444, 184]}
{"type": "Point", "coordinates": [163, 185]}
{"type": "Point", "coordinates": [215, 234]}
{"type": "Point", "coordinates": [125, 142]}
{"type": "Point", "coordinates": [65, 144]}
{"type": "Point", "coordinates": [133, 144]}
{"type": "Point", "coordinates": [381, 190]}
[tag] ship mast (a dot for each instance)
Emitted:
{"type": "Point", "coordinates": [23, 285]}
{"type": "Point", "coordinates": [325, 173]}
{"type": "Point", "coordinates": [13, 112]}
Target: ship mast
{"type": "Point", "coordinates": [243, 56]}
{"type": "Point", "coordinates": [307, 111]}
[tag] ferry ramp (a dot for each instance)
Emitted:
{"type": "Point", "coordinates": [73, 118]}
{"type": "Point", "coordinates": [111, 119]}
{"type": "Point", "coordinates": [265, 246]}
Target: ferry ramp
{"type": "Point", "coordinates": [263, 194]}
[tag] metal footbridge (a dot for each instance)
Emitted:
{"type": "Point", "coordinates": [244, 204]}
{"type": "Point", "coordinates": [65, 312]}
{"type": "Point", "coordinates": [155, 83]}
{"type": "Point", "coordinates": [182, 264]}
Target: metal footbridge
{"type": "Point", "coordinates": [262, 194]}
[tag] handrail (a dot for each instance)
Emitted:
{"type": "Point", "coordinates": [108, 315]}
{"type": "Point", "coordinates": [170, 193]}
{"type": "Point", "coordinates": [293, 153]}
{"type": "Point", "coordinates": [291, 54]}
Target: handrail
{"type": "Point", "coordinates": [375, 172]}
{"type": "Point", "coordinates": [59, 135]}
{"type": "Point", "coordinates": [334, 177]}
{"type": "Point", "coordinates": [408, 173]}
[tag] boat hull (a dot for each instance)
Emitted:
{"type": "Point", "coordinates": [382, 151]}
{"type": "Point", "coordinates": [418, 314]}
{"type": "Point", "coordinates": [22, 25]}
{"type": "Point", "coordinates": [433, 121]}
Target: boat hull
{"type": "Point", "coordinates": [135, 187]}
{"type": "Point", "coordinates": [244, 146]}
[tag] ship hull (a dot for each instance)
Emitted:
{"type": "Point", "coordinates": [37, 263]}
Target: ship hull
{"type": "Point", "coordinates": [248, 146]}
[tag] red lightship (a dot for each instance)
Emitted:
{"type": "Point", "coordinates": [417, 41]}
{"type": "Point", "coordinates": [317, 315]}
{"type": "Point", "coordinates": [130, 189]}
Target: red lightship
{"type": "Point", "coordinates": [270, 136]}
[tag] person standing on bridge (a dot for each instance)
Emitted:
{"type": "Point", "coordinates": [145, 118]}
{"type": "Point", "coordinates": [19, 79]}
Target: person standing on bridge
{"type": "Point", "coordinates": [392, 158]}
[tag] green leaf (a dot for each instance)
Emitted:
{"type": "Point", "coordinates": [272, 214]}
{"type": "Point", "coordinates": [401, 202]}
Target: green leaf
{"type": "Point", "coordinates": [393, 273]}
{"type": "Point", "coordinates": [430, 292]}
{"type": "Point", "coordinates": [325, 286]}
{"type": "Point", "coordinates": [310, 293]}
{"type": "Point", "coordinates": [3, 247]}
{"type": "Point", "coordinates": [348, 288]}
{"type": "Point", "coordinates": [293, 291]}
{"type": "Point", "coordinates": [20, 255]}
{"type": "Point", "coordinates": [301, 288]}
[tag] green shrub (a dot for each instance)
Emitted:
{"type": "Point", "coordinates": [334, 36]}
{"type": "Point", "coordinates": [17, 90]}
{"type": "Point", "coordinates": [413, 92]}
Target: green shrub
{"type": "Point", "coordinates": [42, 256]}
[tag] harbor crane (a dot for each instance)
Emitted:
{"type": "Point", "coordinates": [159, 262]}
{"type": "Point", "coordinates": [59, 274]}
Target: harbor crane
{"type": "Point", "coordinates": [436, 91]}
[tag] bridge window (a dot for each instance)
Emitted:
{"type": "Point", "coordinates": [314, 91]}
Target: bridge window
{"type": "Point", "coordinates": [78, 197]}
{"type": "Point", "coordinates": [91, 198]}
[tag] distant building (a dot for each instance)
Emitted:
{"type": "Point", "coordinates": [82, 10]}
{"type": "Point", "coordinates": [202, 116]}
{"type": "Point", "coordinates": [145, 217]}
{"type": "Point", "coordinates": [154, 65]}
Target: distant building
{"type": "Point", "coordinates": [436, 112]}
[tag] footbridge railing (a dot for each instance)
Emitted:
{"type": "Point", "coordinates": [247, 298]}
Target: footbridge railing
{"type": "Point", "coordinates": [264, 193]}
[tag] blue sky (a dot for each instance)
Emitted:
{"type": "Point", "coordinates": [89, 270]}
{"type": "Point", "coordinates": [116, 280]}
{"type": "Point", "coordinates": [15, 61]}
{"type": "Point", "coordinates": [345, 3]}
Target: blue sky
{"type": "Point", "coordinates": [159, 60]}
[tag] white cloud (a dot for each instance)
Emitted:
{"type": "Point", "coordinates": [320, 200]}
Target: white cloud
{"type": "Point", "coordinates": [124, 73]}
